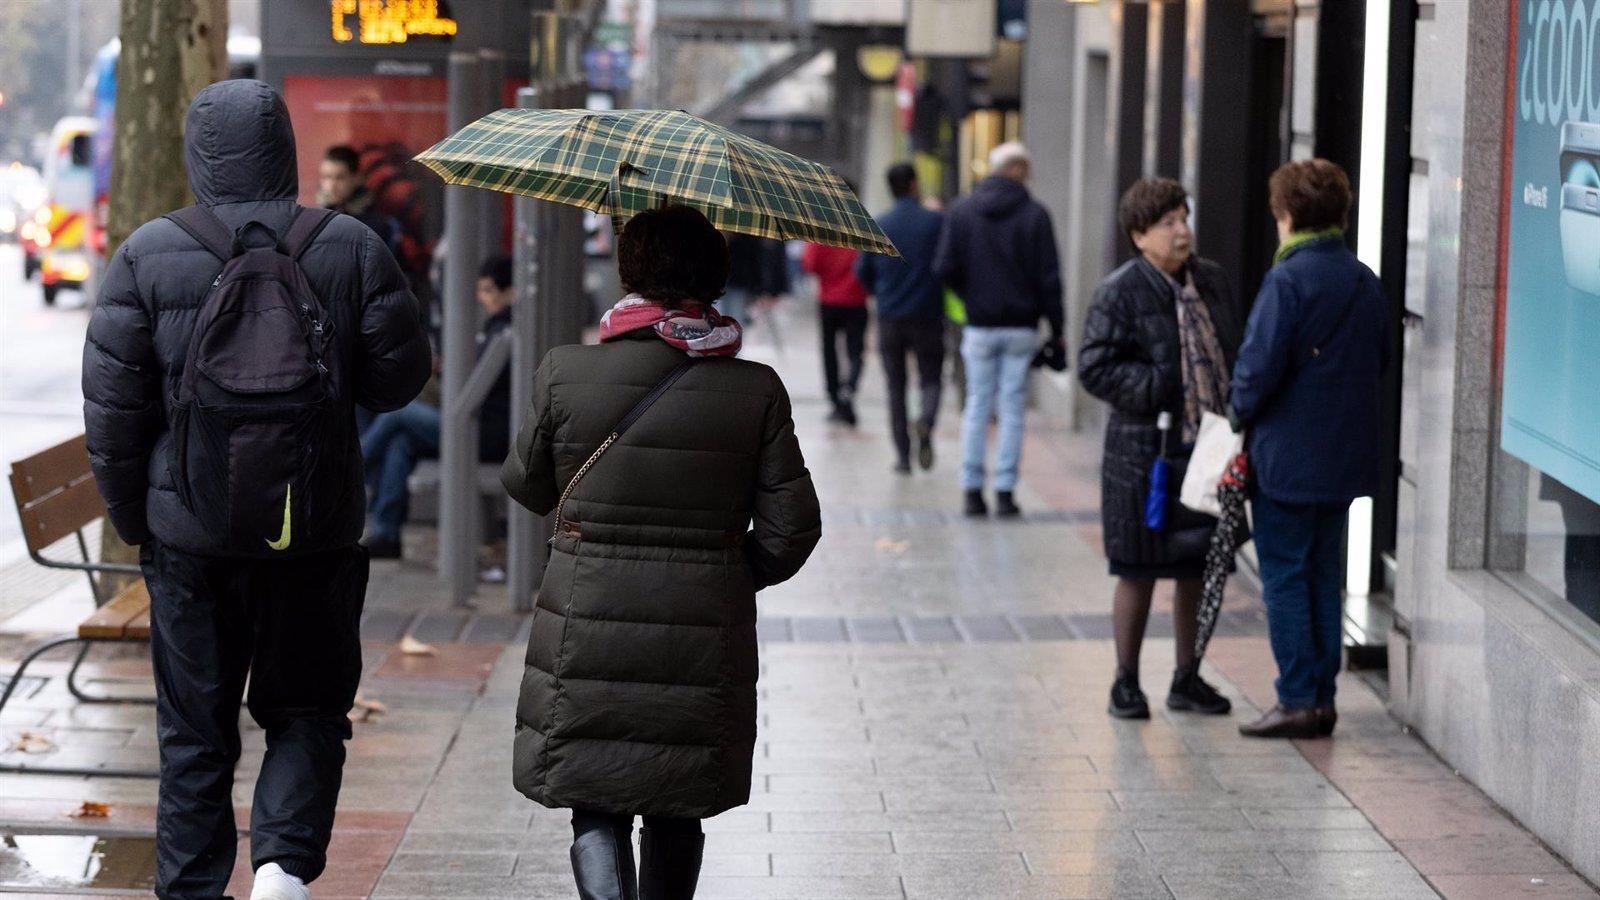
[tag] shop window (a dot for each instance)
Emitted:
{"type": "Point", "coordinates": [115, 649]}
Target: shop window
{"type": "Point", "coordinates": [1546, 539]}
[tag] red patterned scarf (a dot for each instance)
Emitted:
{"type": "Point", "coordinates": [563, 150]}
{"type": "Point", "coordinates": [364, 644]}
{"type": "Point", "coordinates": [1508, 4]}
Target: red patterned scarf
{"type": "Point", "coordinates": [694, 327]}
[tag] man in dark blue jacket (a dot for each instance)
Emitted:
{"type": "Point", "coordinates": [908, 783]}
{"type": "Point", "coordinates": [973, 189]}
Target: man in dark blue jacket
{"type": "Point", "coordinates": [1306, 388]}
{"type": "Point", "coordinates": [291, 623]}
{"type": "Point", "coordinates": [910, 311]}
{"type": "Point", "coordinates": [998, 252]}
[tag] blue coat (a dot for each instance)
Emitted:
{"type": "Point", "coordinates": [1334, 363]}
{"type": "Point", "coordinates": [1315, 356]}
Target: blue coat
{"type": "Point", "coordinates": [1306, 381]}
{"type": "Point", "coordinates": [906, 288]}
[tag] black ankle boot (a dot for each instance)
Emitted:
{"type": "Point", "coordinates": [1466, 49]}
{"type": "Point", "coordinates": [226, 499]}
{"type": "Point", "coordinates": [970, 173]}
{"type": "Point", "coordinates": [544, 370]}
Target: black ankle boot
{"type": "Point", "coordinates": [669, 863]}
{"type": "Point", "coordinates": [1191, 693]}
{"type": "Point", "coordinates": [975, 507]}
{"type": "Point", "coordinates": [602, 864]}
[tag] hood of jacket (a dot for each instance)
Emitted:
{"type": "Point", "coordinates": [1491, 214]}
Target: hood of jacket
{"type": "Point", "coordinates": [998, 196]}
{"type": "Point", "coordinates": [239, 144]}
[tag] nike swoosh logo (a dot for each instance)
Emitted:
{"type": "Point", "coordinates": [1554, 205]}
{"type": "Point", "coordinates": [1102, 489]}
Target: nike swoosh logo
{"type": "Point", "coordinates": [282, 543]}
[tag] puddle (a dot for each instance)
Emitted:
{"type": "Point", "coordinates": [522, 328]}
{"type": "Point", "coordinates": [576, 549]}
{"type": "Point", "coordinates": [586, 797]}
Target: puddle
{"type": "Point", "coordinates": [76, 861]}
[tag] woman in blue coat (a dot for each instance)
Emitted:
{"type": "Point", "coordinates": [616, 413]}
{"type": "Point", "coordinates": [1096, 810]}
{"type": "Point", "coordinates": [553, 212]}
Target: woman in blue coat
{"type": "Point", "coordinates": [1306, 388]}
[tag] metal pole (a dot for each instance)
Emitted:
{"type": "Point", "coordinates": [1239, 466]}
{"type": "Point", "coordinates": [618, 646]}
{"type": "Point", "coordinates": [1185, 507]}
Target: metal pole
{"type": "Point", "coordinates": [491, 81]}
{"type": "Point", "coordinates": [458, 456]}
{"type": "Point", "coordinates": [526, 550]}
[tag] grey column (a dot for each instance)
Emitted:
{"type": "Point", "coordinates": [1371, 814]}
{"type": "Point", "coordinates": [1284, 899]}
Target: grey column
{"type": "Point", "coordinates": [526, 533]}
{"type": "Point", "coordinates": [458, 450]}
{"type": "Point", "coordinates": [491, 81]}
{"type": "Point", "coordinates": [1129, 26]}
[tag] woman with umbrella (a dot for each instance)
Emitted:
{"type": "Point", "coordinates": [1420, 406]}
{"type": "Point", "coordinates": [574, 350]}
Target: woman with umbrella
{"type": "Point", "coordinates": [1159, 345]}
{"type": "Point", "coordinates": [678, 486]}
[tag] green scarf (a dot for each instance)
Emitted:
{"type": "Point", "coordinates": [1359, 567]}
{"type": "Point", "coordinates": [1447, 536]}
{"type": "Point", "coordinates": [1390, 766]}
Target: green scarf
{"type": "Point", "coordinates": [1299, 239]}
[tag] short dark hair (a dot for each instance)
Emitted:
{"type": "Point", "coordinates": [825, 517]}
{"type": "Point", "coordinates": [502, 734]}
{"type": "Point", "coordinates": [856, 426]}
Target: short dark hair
{"type": "Point", "coordinates": [345, 154]}
{"type": "Point", "coordinates": [672, 253]}
{"type": "Point", "coordinates": [1313, 193]}
{"type": "Point", "coordinates": [1146, 201]}
{"type": "Point", "coordinates": [902, 180]}
{"type": "Point", "coordinates": [497, 269]}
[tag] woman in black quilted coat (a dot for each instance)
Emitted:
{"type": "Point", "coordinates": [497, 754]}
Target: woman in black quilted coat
{"type": "Point", "coordinates": [1161, 337]}
{"type": "Point", "coordinates": [639, 696]}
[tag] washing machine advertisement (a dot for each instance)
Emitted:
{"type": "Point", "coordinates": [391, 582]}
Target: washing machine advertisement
{"type": "Point", "coordinates": [1550, 413]}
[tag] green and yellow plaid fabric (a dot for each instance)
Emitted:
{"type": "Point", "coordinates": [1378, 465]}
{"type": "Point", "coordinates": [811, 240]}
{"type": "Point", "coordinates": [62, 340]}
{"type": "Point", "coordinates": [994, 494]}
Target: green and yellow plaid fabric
{"type": "Point", "coordinates": [623, 162]}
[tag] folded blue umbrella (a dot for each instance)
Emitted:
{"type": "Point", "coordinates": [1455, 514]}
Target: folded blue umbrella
{"type": "Point", "coordinates": [1159, 499]}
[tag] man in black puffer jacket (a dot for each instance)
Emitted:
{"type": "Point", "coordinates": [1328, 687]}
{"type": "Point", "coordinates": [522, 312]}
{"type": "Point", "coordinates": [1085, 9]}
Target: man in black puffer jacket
{"type": "Point", "coordinates": [291, 623]}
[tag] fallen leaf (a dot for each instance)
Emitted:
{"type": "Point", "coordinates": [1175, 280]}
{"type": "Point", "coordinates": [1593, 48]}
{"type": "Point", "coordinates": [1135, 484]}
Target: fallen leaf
{"type": "Point", "coordinates": [410, 646]}
{"type": "Point", "coordinates": [890, 545]}
{"type": "Point", "coordinates": [91, 810]}
{"type": "Point", "coordinates": [33, 742]}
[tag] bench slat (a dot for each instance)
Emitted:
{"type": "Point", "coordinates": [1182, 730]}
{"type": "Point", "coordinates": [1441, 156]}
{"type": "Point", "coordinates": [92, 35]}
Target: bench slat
{"type": "Point", "coordinates": [116, 620]}
{"type": "Point", "coordinates": [50, 470]}
{"type": "Point", "coordinates": [57, 515]}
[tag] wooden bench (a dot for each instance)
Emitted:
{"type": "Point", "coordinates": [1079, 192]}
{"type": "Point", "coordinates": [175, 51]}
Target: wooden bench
{"type": "Point", "coordinates": [57, 498]}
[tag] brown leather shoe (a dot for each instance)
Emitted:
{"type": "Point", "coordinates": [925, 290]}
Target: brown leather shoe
{"type": "Point", "coordinates": [1278, 722]}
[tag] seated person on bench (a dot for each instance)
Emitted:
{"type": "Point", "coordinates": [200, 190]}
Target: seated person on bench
{"type": "Point", "coordinates": [394, 441]}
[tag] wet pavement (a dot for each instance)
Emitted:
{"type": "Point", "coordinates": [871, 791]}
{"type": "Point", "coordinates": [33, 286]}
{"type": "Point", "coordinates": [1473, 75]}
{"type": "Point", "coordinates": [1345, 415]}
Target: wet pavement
{"type": "Point", "coordinates": [932, 726]}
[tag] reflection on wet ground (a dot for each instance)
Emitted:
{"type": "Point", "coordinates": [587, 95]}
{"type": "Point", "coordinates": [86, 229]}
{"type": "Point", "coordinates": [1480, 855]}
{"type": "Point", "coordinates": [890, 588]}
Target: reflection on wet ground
{"type": "Point", "coordinates": [76, 861]}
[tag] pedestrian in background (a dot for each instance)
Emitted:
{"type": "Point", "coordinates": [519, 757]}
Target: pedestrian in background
{"type": "Point", "coordinates": [1160, 340]}
{"type": "Point", "coordinates": [758, 274]}
{"type": "Point", "coordinates": [910, 312]}
{"type": "Point", "coordinates": [639, 697]}
{"type": "Point", "coordinates": [844, 318]}
{"type": "Point", "coordinates": [1306, 392]}
{"type": "Point", "coordinates": [998, 252]}
{"type": "Point", "coordinates": [395, 441]}
{"type": "Point", "coordinates": [249, 575]}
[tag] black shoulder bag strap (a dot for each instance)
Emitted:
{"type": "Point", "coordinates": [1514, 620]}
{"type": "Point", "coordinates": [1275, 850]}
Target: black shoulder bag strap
{"type": "Point", "coordinates": [307, 224]}
{"type": "Point", "coordinates": [203, 225]}
{"type": "Point", "coordinates": [621, 427]}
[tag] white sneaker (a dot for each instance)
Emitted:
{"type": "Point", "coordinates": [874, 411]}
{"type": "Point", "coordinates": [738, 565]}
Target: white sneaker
{"type": "Point", "coordinates": [273, 883]}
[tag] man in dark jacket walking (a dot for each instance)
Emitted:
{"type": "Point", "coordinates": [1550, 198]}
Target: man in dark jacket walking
{"type": "Point", "coordinates": [290, 623]}
{"type": "Point", "coordinates": [998, 253]}
{"type": "Point", "coordinates": [910, 311]}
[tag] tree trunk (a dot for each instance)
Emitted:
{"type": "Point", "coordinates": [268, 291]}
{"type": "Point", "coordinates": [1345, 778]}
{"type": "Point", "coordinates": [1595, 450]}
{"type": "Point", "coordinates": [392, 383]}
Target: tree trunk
{"type": "Point", "coordinates": [157, 78]}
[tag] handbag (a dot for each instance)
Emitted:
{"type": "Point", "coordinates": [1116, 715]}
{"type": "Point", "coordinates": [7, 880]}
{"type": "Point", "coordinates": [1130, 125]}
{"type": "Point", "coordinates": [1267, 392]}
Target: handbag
{"type": "Point", "coordinates": [616, 434]}
{"type": "Point", "coordinates": [1215, 446]}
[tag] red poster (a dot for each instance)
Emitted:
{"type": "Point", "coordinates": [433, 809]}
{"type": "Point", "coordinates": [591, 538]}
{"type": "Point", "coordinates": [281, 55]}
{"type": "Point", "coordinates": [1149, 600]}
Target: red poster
{"type": "Point", "coordinates": [387, 120]}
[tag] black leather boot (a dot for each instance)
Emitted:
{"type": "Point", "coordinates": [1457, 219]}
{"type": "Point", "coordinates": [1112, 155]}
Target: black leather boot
{"type": "Point", "coordinates": [602, 863]}
{"type": "Point", "coordinates": [669, 863]}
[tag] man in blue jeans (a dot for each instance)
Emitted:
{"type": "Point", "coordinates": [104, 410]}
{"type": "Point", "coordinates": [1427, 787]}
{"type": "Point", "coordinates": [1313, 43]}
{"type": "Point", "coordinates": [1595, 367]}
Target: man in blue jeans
{"type": "Point", "coordinates": [998, 252]}
{"type": "Point", "coordinates": [395, 441]}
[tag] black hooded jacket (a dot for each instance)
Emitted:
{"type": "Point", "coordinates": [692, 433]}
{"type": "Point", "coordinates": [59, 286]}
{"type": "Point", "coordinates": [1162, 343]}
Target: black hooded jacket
{"type": "Point", "coordinates": [998, 253]}
{"type": "Point", "coordinates": [239, 151]}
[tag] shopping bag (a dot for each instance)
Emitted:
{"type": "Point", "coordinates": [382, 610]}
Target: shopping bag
{"type": "Point", "coordinates": [1214, 448]}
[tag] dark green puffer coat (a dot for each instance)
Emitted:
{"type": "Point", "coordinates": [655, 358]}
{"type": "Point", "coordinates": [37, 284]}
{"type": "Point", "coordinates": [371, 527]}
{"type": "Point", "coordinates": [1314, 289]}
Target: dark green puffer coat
{"type": "Point", "coordinates": [639, 695]}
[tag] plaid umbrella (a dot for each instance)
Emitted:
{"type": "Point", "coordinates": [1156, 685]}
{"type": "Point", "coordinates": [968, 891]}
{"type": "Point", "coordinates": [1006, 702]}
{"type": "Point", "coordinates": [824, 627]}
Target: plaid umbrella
{"type": "Point", "coordinates": [623, 162]}
{"type": "Point", "coordinates": [1233, 529]}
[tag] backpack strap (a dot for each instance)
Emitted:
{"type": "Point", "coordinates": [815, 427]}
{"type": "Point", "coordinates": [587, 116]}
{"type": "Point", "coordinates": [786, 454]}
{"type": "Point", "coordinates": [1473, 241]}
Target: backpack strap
{"type": "Point", "coordinates": [203, 225]}
{"type": "Point", "coordinates": [308, 223]}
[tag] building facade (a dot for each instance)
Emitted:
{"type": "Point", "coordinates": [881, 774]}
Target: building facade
{"type": "Point", "coordinates": [1468, 127]}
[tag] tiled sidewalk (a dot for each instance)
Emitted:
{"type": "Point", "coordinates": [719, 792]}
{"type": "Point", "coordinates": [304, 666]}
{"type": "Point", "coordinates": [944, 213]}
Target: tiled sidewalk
{"type": "Point", "coordinates": [932, 726]}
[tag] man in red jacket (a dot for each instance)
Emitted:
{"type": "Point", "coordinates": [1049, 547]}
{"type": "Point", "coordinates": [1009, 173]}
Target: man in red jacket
{"type": "Point", "coordinates": [844, 313]}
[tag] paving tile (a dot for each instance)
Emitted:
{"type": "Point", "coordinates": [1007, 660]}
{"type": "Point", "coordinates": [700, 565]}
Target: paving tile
{"type": "Point", "coordinates": [1116, 886]}
{"type": "Point", "coordinates": [799, 888]}
{"type": "Point", "coordinates": [1320, 839]}
{"type": "Point", "coordinates": [1513, 887]}
{"type": "Point", "coordinates": [497, 864]}
{"type": "Point", "coordinates": [1475, 855]}
{"type": "Point", "coordinates": [1257, 862]}
{"type": "Point", "coordinates": [1116, 843]}
{"type": "Point", "coordinates": [1248, 887]}
{"type": "Point", "coordinates": [888, 821]}
{"type": "Point", "coordinates": [814, 864]}
{"type": "Point", "coordinates": [1275, 819]}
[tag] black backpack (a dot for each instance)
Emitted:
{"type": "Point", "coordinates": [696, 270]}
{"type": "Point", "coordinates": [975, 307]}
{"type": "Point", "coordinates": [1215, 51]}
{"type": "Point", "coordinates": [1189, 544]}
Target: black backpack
{"type": "Point", "coordinates": [262, 433]}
